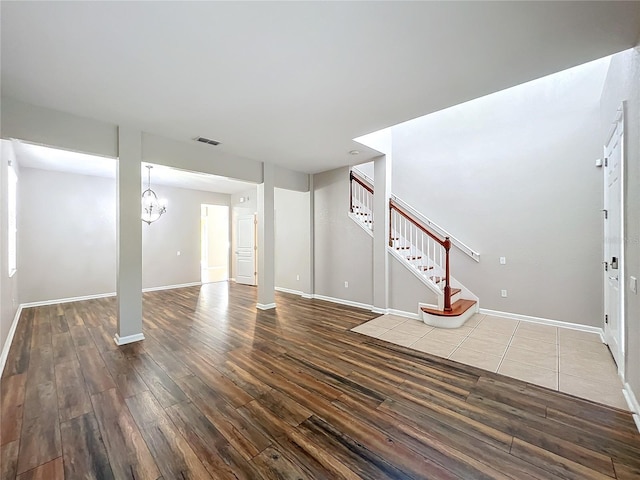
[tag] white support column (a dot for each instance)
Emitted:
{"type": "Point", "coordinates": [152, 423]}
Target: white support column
{"type": "Point", "coordinates": [381, 194]}
{"type": "Point", "coordinates": [312, 239]}
{"type": "Point", "coordinates": [129, 237]}
{"type": "Point", "coordinates": [266, 240]}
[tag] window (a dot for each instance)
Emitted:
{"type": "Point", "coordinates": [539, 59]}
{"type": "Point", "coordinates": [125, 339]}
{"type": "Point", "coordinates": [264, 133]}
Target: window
{"type": "Point", "coordinates": [12, 203]}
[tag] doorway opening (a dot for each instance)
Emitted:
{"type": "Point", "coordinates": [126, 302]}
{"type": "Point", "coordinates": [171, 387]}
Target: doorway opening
{"type": "Point", "coordinates": [215, 243]}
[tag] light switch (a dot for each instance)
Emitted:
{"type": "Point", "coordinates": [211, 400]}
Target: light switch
{"type": "Point", "coordinates": [633, 284]}
{"type": "Point", "coordinates": [503, 293]}
{"type": "Point", "coordinates": [503, 260]}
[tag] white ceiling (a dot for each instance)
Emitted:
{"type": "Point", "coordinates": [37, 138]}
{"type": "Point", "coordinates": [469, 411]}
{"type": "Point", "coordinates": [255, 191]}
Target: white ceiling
{"type": "Point", "coordinates": [291, 82]}
{"type": "Point", "coordinates": [37, 156]}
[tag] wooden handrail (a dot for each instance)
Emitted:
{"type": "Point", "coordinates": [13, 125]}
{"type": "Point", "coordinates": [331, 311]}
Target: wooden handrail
{"type": "Point", "coordinates": [358, 179]}
{"type": "Point", "coordinates": [446, 244]}
{"type": "Point", "coordinates": [394, 206]}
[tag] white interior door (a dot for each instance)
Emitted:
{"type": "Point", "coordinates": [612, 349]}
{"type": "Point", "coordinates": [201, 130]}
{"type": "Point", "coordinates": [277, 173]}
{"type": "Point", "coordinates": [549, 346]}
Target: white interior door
{"type": "Point", "coordinates": [246, 250]}
{"type": "Point", "coordinates": [613, 249]}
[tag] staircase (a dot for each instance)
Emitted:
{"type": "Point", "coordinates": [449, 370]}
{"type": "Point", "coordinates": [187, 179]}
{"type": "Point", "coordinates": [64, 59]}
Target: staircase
{"type": "Point", "coordinates": [423, 250]}
{"type": "Point", "coordinates": [361, 200]}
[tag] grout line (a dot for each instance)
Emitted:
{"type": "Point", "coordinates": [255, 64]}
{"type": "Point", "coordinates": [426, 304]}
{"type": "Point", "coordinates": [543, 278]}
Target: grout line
{"type": "Point", "coordinates": [508, 345]}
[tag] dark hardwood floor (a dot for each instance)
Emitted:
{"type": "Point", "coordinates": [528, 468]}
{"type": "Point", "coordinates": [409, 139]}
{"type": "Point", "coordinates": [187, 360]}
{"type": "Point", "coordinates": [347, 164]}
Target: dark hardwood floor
{"type": "Point", "coordinates": [221, 390]}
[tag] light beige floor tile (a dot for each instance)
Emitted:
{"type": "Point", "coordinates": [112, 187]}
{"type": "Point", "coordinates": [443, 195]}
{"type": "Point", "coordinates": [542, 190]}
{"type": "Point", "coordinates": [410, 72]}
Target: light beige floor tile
{"type": "Point", "coordinates": [484, 345]}
{"type": "Point", "coordinates": [475, 320]}
{"type": "Point", "coordinates": [572, 345]}
{"type": "Point", "coordinates": [602, 371]}
{"type": "Point", "coordinates": [533, 358]}
{"type": "Point", "coordinates": [595, 391]}
{"type": "Point", "coordinates": [399, 338]}
{"type": "Point", "coordinates": [387, 321]}
{"type": "Point", "coordinates": [543, 348]}
{"type": "Point", "coordinates": [492, 325]}
{"type": "Point", "coordinates": [537, 327]}
{"type": "Point", "coordinates": [579, 335]}
{"type": "Point", "coordinates": [482, 360]}
{"type": "Point", "coordinates": [434, 347]}
{"type": "Point", "coordinates": [545, 334]}
{"type": "Point", "coordinates": [449, 335]}
{"type": "Point", "coordinates": [370, 330]}
{"type": "Point", "coordinates": [530, 374]}
{"type": "Point", "coordinates": [415, 327]}
{"type": "Point", "coordinates": [597, 352]}
{"type": "Point", "coordinates": [499, 322]}
{"type": "Point", "coordinates": [494, 337]}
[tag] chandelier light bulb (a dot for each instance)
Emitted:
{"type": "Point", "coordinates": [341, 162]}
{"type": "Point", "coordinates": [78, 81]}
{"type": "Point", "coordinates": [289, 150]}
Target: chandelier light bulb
{"type": "Point", "coordinates": [152, 208]}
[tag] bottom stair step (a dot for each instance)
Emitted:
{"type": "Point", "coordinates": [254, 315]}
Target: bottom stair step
{"type": "Point", "coordinates": [457, 309]}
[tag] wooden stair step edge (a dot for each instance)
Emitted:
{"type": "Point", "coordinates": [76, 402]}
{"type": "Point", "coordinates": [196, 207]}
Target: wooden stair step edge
{"type": "Point", "coordinates": [455, 290]}
{"type": "Point", "coordinates": [457, 309]}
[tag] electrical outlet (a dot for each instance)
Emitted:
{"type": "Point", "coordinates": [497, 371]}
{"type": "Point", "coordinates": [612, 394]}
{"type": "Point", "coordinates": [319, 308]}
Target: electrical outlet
{"type": "Point", "coordinates": [503, 293]}
{"type": "Point", "coordinates": [503, 260]}
{"type": "Point", "coordinates": [178, 252]}
{"type": "Point", "coordinates": [297, 277]}
{"type": "Point", "coordinates": [346, 284]}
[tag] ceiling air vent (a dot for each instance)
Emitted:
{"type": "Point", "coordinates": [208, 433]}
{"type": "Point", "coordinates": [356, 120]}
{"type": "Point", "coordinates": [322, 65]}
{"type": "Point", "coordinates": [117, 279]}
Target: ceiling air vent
{"type": "Point", "coordinates": [207, 140]}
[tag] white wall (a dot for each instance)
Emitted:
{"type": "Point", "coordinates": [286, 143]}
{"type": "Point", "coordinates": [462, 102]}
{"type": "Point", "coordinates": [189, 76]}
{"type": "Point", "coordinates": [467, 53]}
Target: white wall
{"type": "Point", "coordinates": [405, 290]}
{"type": "Point", "coordinates": [512, 174]}
{"type": "Point", "coordinates": [67, 236]}
{"type": "Point", "coordinates": [9, 296]}
{"type": "Point", "coordinates": [177, 231]}
{"type": "Point", "coordinates": [292, 242]}
{"type": "Point", "coordinates": [343, 250]}
{"type": "Point", "coordinates": [623, 84]}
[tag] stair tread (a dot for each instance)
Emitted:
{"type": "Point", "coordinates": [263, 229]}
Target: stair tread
{"type": "Point", "coordinates": [455, 290]}
{"type": "Point", "coordinates": [457, 309]}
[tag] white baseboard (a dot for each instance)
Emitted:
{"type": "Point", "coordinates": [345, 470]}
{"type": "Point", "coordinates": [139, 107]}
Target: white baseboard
{"type": "Point", "coordinates": [544, 321]}
{"type": "Point", "coordinates": [68, 300]}
{"type": "Point", "coordinates": [265, 306]}
{"type": "Point", "coordinates": [104, 295]}
{"type": "Point", "coordinates": [171, 287]}
{"type": "Point", "coordinates": [402, 313]}
{"type": "Point", "coordinates": [633, 403]}
{"type": "Point", "coordinates": [128, 339]}
{"type": "Point", "coordinates": [289, 290]}
{"type": "Point", "coordinates": [7, 343]}
{"type": "Point", "coordinates": [307, 295]}
{"type": "Point", "coordinates": [343, 302]}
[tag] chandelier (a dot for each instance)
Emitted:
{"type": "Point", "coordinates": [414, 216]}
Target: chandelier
{"type": "Point", "coordinates": [152, 209]}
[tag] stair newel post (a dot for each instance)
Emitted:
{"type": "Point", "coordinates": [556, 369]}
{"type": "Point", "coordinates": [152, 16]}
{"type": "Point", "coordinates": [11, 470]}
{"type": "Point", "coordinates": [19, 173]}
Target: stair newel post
{"type": "Point", "coordinates": [350, 191]}
{"type": "Point", "coordinates": [447, 285]}
{"type": "Point", "coordinates": [390, 224]}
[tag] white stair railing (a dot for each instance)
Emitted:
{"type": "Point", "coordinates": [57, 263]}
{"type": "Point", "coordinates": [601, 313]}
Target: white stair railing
{"type": "Point", "coordinates": [422, 249]}
{"type": "Point", "coordinates": [361, 199]}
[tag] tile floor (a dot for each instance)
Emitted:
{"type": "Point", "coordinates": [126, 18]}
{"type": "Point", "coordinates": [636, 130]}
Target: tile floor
{"type": "Point", "coordinates": [567, 360]}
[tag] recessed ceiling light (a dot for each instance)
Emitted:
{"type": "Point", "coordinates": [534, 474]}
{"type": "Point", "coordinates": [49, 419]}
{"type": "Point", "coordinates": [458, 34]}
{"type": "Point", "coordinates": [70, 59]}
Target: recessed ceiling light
{"type": "Point", "coordinates": [354, 152]}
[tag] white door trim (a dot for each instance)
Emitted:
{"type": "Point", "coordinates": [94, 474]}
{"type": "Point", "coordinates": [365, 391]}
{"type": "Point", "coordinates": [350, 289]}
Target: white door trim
{"type": "Point", "coordinates": [619, 119]}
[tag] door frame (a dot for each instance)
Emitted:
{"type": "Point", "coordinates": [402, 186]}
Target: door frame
{"type": "Point", "coordinates": [619, 119]}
